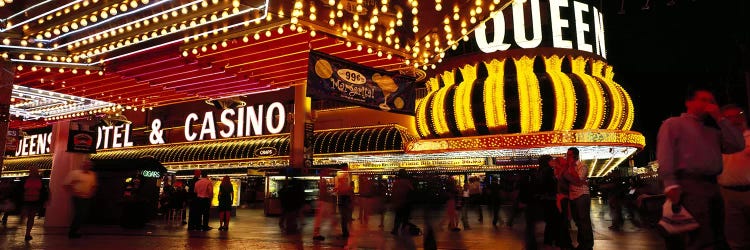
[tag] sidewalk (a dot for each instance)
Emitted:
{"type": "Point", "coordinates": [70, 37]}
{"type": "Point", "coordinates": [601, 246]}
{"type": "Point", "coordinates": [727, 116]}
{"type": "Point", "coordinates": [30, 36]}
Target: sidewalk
{"type": "Point", "coordinates": [250, 229]}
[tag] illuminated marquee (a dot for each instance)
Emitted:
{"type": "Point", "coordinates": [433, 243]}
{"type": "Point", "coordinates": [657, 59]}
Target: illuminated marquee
{"type": "Point", "coordinates": [585, 31]}
{"type": "Point", "coordinates": [250, 120]}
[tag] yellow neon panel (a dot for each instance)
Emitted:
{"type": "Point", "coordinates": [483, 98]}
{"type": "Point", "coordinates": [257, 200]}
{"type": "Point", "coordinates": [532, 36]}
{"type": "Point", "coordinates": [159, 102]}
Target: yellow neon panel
{"type": "Point", "coordinates": [494, 97]}
{"type": "Point", "coordinates": [438, 102]}
{"type": "Point", "coordinates": [630, 113]}
{"type": "Point", "coordinates": [529, 98]}
{"type": "Point", "coordinates": [593, 91]}
{"type": "Point", "coordinates": [421, 116]}
{"type": "Point", "coordinates": [618, 106]}
{"type": "Point", "coordinates": [462, 101]}
{"type": "Point", "coordinates": [565, 98]}
{"type": "Point", "coordinates": [421, 113]}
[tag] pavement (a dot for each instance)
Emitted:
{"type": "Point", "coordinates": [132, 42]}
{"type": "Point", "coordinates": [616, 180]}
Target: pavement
{"type": "Point", "coordinates": [250, 229]}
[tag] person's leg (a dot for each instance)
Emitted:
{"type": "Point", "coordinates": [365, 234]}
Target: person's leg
{"type": "Point", "coordinates": [398, 220]}
{"type": "Point", "coordinates": [697, 198]}
{"type": "Point", "coordinates": [737, 218]}
{"type": "Point", "coordinates": [227, 218]}
{"type": "Point", "coordinates": [615, 210]}
{"type": "Point", "coordinates": [564, 240]}
{"type": "Point", "coordinates": [465, 213]}
{"type": "Point", "coordinates": [30, 214]}
{"type": "Point", "coordinates": [194, 214]}
{"type": "Point", "coordinates": [478, 203]}
{"type": "Point", "coordinates": [318, 218]}
{"type": "Point", "coordinates": [81, 209]}
{"type": "Point", "coordinates": [582, 210]}
{"type": "Point", "coordinates": [346, 214]}
{"type": "Point", "coordinates": [530, 232]}
{"type": "Point", "coordinates": [205, 211]}
{"type": "Point", "coordinates": [551, 223]}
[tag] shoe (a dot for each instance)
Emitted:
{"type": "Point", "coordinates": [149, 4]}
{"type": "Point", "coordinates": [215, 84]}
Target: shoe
{"type": "Point", "coordinates": [615, 228]}
{"type": "Point", "coordinates": [184, 222]}
{"type": "Point", "coordinates": [28, 238]}
{"type": "Point", "coordinates": [192, 229]}
{"type": "Point", "coordinates": [319, 238]}
{"type": "Point", "coordinates": [74, 235]}
{"type": "Point", "coordinates": [455, 229]}
{"type": "Point", "coordinates": [206, 229]}
{"type": "Point", "coordinates": [394, 232]}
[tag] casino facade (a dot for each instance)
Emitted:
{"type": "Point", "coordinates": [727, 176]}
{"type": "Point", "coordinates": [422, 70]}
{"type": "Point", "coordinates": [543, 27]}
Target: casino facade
{"type": "Point", "coordinates": [257, 90]}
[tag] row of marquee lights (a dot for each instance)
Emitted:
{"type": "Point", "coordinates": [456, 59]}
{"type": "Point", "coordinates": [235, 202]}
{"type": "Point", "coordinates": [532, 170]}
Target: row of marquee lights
{"type": "Point", "coordinates": [432, 46]}
{"type": "Point", "coordinates": [75, 60]}
{"type": "Point", "coordinates": [497, 44]}
{"type": "Point", "coordinates": [239, 122]}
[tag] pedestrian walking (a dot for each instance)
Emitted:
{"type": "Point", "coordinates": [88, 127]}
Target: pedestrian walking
{"type": "Point", "coordinates": [495, 198]}
{"type": "Point", "coordinates": [689, 151]}
{"type": "Point", "coordinates": [326, 208]}
{"type": "Point", "coordinates": [580, 200]}
{"type": "Point", "coordinates": [34, 196]}
{"type": "Point", "coordinates": [82, 183]}
{"type": "Point", "coordinates": [226, 198]}
{"type": "Point", "coordinates": [204, 191]}
{"type": "Point", "coordinates": [402, 190]}
{"type": "Point", "coordinates": [194, 222]}
{"type": "Point", "coordinates": [344, 190]}
{"type": "Point", "coordinates": [735, 184]}
{"type": "Point", "coordinates": [367, 195]}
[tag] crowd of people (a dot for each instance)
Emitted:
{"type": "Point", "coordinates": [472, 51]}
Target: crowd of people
{"type": "Point", "coordinates": [703, 169]}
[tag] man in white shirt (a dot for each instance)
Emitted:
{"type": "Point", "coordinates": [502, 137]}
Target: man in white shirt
{"type": "Point", "coordinates": [204, 190]}
{"type": "Point", "coordinates": [735, 184]}
{"type": "Point", "coordinates": [82, 184]}
{"type": "Point", "coordinates": [580, 200]}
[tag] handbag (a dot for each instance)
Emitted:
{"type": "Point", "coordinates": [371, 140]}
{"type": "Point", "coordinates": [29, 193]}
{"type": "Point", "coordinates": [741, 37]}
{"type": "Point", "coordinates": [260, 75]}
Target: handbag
{"type": "Point", "coordinates": [676, 219]}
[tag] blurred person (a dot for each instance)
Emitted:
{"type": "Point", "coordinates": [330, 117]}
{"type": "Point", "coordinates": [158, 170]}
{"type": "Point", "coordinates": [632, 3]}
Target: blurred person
{"type": "Point", "coordinates": [528, 197]}
{"type": "Point", "coordinates": [326, 208]}
{"type": "Point", "coordinates": [381, 188]}
{"type": "Point", "coordinates": [344, 190]}
{"type": "Point", "coordinates": [475, 196]}
{"type": "Point", "coordinates": [562, 202]}
{"type": "Point", "coordinates": [495, 198]}
{"type": "Point", "coordinates": [34, 196]}
{"type": "Point", "coordinates": [452, 194]}
{"type": "Point", "coordinates": [580, 200]}
{"type": "Point", "coordinates": [8, 201]}
{"type": "Point", "coordinates": [178, 199]}
{"type": "Point", "coordinates": [204, 192]}
{"type": "Point", "coordinates": [226, 198]}
{"type": "Point", "coordinates": [735, 184]}
{"type": "Point", "coordinates": [367, 196]}
{"type": "Point", "coordinates": [689, 151]}
{"type": "Point", "coordinates": [401, 200]}
{"type": "Point", "coordinates": [82, 183]}
{"type": "Point", "coordinates": [194, 222]}
{"type": "Point", "coordinates": [548, 190]}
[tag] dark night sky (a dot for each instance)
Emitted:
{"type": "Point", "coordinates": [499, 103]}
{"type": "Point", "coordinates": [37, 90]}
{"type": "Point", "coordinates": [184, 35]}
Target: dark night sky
{"type": "Point", "coordinates": [657, 53]}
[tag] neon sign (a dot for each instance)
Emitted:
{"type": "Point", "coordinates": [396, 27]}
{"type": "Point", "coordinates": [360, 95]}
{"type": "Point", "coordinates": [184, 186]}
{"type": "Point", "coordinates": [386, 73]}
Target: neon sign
{"type": "Point", "coordinates": [563, 32]}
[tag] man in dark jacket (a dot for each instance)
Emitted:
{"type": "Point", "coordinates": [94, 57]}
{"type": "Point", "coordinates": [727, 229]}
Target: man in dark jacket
{"type": "Point", "coordinates": [194, 221]}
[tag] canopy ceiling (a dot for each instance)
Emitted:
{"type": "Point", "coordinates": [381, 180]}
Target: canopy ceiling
{"type": "Point", "coordinates": [141, 54]}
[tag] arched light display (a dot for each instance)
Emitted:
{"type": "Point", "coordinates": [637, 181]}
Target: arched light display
{"type": "Point", "coordinates": [524, 95]}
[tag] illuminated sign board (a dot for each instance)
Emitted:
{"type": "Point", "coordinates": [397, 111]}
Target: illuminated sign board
{"type": "Point", "coordinates": [419, 163]}
{"type": "Point", "coordinates": [266, 151]}
{"type": "Point", "coordinates": [150, 173]}
{"type": "Point", "coordinates": [240, 122]}
{"type": "Point", "coordinates": [114, 137]}
{"type": "Point", "coordinates": [568, 24]}
{"type": "Point", "coordinates": [34, 144]}
{"type": "Point", "coordinates": [250, 121]}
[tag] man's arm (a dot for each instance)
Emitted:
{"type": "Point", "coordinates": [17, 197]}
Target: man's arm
{"type": "Point", "coordinates": [732, 140]}
{"type": "Point", "coordinates": [665, 155]}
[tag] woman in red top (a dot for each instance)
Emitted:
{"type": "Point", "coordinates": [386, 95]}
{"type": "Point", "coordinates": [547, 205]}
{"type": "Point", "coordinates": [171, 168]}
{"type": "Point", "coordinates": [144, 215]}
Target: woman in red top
{"type": "Point", "coordinates": [32, 198]}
